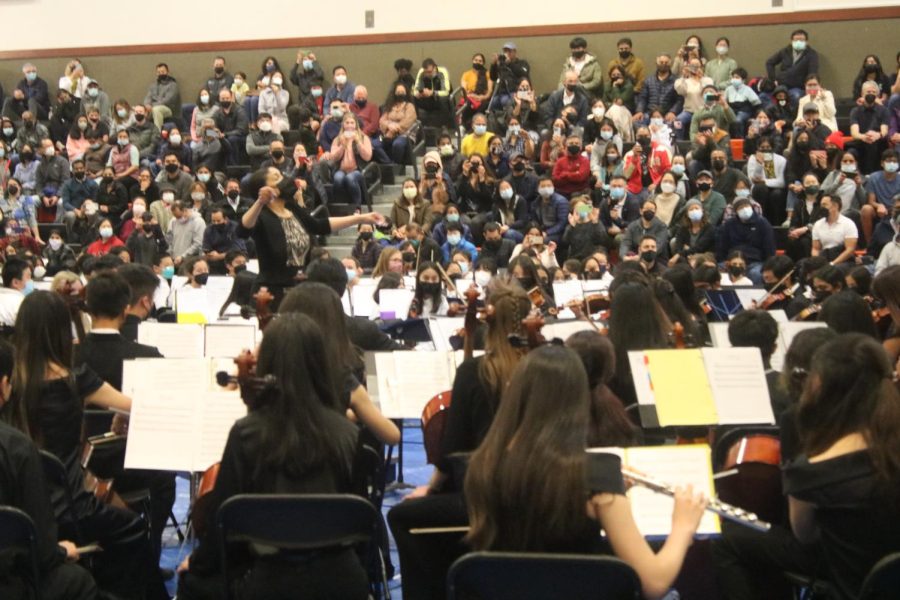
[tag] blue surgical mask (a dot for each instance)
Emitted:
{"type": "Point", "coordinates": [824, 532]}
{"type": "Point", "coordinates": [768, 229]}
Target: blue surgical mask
{"type": "Point", "coordinates": [31, 76]}
{"type": "Point", "coordinates": [606, 134]}
{"type": "Point", "coordinates": [351, 275]}
{"type": "Point", "coordinates": [307, 64]}
{"type": "Point", "coordinates": [463, 267]}
{"type": "Point", "coordinates": [453, 239]}
{"type": "Point", "coordinates": [616, 193]}
{"type": "Point", "coordinates": [742, 193]}
{"type": "Point", "coordinates": [480, 129]}
{"type": "Point", "coordinates": [453, 217]}
{"type": "Point", "coordinates": [168, 272]}
{"type": "Point", "coordinates": [678, 169]}
{"type": "Point", "coordinates": [29, 287]}
{"type": "Point", "coordinates": [891, 167]}
{"type": "Point", "coordinates": [799, 45]}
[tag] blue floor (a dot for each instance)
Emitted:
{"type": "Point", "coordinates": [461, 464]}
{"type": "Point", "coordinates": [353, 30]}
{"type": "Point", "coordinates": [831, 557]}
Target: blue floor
{"type": "Point", "coordinates": [415, 472]}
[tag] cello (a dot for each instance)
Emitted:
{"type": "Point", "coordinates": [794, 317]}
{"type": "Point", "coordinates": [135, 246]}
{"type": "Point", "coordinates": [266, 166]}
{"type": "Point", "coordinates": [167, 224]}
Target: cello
{"type": "Point", "coordinates": [434, 415]}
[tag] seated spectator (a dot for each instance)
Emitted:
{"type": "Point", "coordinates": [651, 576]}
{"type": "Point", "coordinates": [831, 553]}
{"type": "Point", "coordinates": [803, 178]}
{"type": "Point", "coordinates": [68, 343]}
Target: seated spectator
{"type": "Point", "coordinates": [534, 245]}
{"type": "Point", "coordinates": [497, 161]}
{"type": "Point", "coordinates": [53, 169]}
{"type": "Point", "coordinates": [570, 94]}
{"type": "Point", "coordinates": [606, 155]}
{"type": "Point", "coordinates": [726, 178]}
{"type": "Point", "coordinates": [742, 190]}
{"type": "Point", "coordinates": [647, 225]}
{"type": "Point", "coordinates": [495, 246]}
{"type": "Point", "coordinates": [668, 201]}
{"type": "Point", "coordinates": [240, 88]}
{"type": "Point", "coordinates": [219, 239]}
{"type": "Point", "coordinates": [208, 151]}
{"type": "Point", "coordinates": [807, 212]}
{"type": "Point", "coordinates": [260, 141]}
{"type": "Point", "coordinates": [790, 66]}
{"type": "Point", "coordinates": [77, 189]}
{"type": "Point", "coordinates": [31, 94]}
{"type": "Point", "coordinates": [410, 207]}
{"type": "Point", "coordinates": [366, 251]}
{"type": "Point", "coordinates": [341, 90]}
{"type": "Point", "coordinates": [76, 140]}
{"type": "Point", "coordinates": [742, 100]}
{"type": "Point", "coordinates": [693, 233]}
{"type": "Point", "coordinates": [26, 171]}
{"type": "Point", "coordinates": [645, 164]}
{"type": "Point", "coordinates": [349, 153]}
{"type": "Point", "coordinates": [278, 159]}
{"type": "Point", "coordinates": [369, 116]}
{"type": "Point", "coordinates": [511, 212]}
{"type": "Point", "coordinates": [274, 100]}
{"type": "Point", "coordinates": [431, 91]}
{"type": "Point", "coordinates": [176, 144]}
{"type": "Point", "coordinates": [571, 172]}
{"type": "Point", "coordinates": [647, 255]}
{"type": "Point", "coordinates": [206, 108]}
{"type": "Point", "coordinates": [105, 240]}
{"type": "Point", "coordinates": [619, 90]}
{"type": "Point", "coordinates": [750, 234]}
{"type": "Point", "coordinates": [30, 131]}
{"type": "Point", "coordinates": [735, 270]}
{"type": "Point", "coordinates": [553, 146]}
{"type": "Point", "coordinates": [163, 96]}
{"type": "Point", "coordinates": [112, 196]}
{"type": "Point", "coordinates": [58, 256]}
{"type": "Point", "coordinates": [396, 123]}
{"type": "Point", "coordinates": [881, 188]}
{"type": "Point", "coordinates": [714, 106]}
{"type": "Point", "coordinates": [220, 80]}
{"type": "Point", "coordinates": [871, 70]}
{"type": "Point", "coordinates": [95, 99]}
{"type": "Point", "coordinates": [456, 242]}
{"type": "Point", "coordinates": [477, 141]}
{"type": "Point", "coordinates": [452, 215]}
{"type": "Point", "coordinates": [478, 89]}
{"type": "Point", "coordinates": [132, 218]}
{"type": "Point", "coordinates": [834, 236]}
{"type": "Point", "coordinates": [586, 65]}
{"type": "Point", "coordinates": [822, 98]}
{"type": "Point", "coordinates": [818, 131]}
{"type": "Point", "coordinates": [869, 128]}
{"type": "Point", "coordinates": [658, 90]}
{"type": "Point", "coordinates": [475, 186]}
{"type": "Point", "coordinates": [125, 160]}
{"type": "Point", "coordinates": [584, 234]}
{"type": "Point", "coordinates": [551, 212]}
{"type": "Point", "coordinates": [765, 169]}
{"type": "Point", "coordinates": [845, 182]}
{"type": "Point", "coordinates": [709, 137]}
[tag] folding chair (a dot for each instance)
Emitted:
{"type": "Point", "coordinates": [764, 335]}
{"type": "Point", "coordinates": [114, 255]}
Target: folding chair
{"type": "Point", "coordinates": [521, 576]}
{"type": "Point", "coordinates": [883, 581]}
{"type": "Point", "coordinates": [301, 522]}
{"type": "Point", "coordinates": [18, 535]}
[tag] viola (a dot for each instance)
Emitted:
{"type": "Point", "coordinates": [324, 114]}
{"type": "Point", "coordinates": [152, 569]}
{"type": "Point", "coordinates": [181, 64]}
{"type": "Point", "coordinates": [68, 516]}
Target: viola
{"type": "Point", "coordinates": [756, 484]}
{"type": "Point", "coordinates": [806, 313]}
{"type": "Point", "coordinates": [263, 313]}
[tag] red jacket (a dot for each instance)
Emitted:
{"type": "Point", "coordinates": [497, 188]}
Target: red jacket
{"type": "Point", "coordinates": [99, 247]}
{"type": "Point", "coordinates": [571, 174]}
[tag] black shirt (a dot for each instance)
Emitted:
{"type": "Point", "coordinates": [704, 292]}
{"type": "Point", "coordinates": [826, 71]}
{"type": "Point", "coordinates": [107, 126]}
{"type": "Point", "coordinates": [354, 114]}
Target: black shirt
{"type": "Point", "coordinates": [105, 353]}
{"type": "Point", "coordinates": [857, 527]}
{"type": "Point", "coordinates": [470, 414]}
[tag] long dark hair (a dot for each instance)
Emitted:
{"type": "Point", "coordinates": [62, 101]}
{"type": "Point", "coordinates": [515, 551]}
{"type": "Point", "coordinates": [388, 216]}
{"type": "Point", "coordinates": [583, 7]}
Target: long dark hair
{"type": "Point", "coordinates": [322, 305]}
{"type": "Point", "coordinates": [849, 390]}
{"type": "Point", "coordinates": [420, 297]}
{"type": "Point", "coordinates": [847, 312]}
{"type": "Point", "coordinates": [524, 485]}
{"type": "Point", "coordinates": [798, 358]}
{"type": "Point", "coordinates": [609, 425]}
{"type": "Point", "coordinates": [481, 81]}
{"type": "Point", "coordinates": [510, 305]}
{"type": "Point", "coordinates": [43, 338]}
{"type": "Point", "coordinates": [293, 437]}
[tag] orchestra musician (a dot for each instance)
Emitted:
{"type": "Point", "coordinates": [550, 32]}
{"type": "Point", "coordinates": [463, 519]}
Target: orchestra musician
{"type": "Point", "coordinates": [298, 442]}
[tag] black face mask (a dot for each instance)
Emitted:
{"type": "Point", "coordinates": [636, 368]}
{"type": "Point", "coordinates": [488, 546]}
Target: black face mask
{"type": "Point", "coordinates": [361, 103]}
{"type": "Point", "coordinates": [478, 67]}
{"type": "Point", "coordinates": [644, 141]}
{"type": "Point", "coordinates": [518, 167]}
{"type": "Point", "coordinates": [571, 87]}
{"type": "Point", "coordinates": [79, 175]}
{"type": "Point", "coordinates": [803, 146]}
{"type": "Point", "coordinates": [831, 153]}
{"type": "Point", "coordinates": [648, 215]}
{"type": "Point", "coordinates": [234, 194]}
{"type": "Point", "coordinates": [736, 271]}
{"type": "Point", "coordinates": [365, 236]}
{"type": "Point", "coordinates": [493, 244]}
{"type": "Point", "coordinates": [870, 98]}
{"type": "Point", "coordinates": [27, 155]}
{"type": "Point", "coordinates": [526, 282]}
{"type": "Point", "coordinates": [225, 103]}
{"type": "Point", "coordinates": [624, 53]}
{"type": "Point", "coordinates": [811, 190]}
{"type": "Point", "coordinates": [12, 190]}
{"type": "Point", "coordinates": [287, 188]}
{"type": "Point", "coordinates": [648, 256]}
{"type": "Point", "coordinates": [704, 186]}
{"type": "Point", "coordinates": [219, 70]}
{"type": "Point", "coordinates": [202, 278]}
{"type": "Point", "coordinates": [593, 275]}
{"type": "Point", "coordinates": [718, 165]}
{"type": "Point", "coordinates": [171, 168]}
{"type": "Point", "coordinates": [821, 296]}
{"type": "Point", "coordinates": [400, 97]}
{"type": "Point", "coordinates": [107, 180]}
{"type": "Point", "coordinates": [578, 54]}
{"type": "Point", "coordinates": [277, 154]}
{"type": "Point", "coordinates": [573, 149]}
{"type": "Point", "coordinates": [161, 78]}
{"type": "Point", "coordinates": [409, 257]}
{"type": "Point", "coordinates": [431, 168]}
{"type": "Point", "coordinates": [239, 268]}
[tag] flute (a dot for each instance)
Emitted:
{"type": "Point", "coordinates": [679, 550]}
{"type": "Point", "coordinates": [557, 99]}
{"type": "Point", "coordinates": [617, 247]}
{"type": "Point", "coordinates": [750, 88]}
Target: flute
{"type": "Point", "coordinates": [726, 511]}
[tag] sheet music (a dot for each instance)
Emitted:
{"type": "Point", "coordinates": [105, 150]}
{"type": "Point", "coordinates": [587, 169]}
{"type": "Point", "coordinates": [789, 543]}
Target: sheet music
{"type": "Point", "coordinates": [219, 411]}
{"type": "Point", "coordinates": [677, 466]}
{"type": "Point", "coordinates": [442, 328]}
{"type": "Point", "coordinates": [738, 382]}
{"type": "Point", "coordinates": [184, 375]}
{"type": "Point", "coordinates": [396, 302]}
{"type": "Point", "coordinates": [173, 340]}
{"type": "Point", "coordinates": [719, 334]}
{"type": "Point", "coordinates": [680, 387]}
{"type": "Point", "coordinates": [161, 429]}
{"type": "Point", "coordinates": [563, 329]}
{"type": "Point", "coordinates": [408, 380]}
{"type": "Point", "coordinates": [748, 295]}
{"type": "Point", "coordinates": [641, 376]}
{"type": "Point", "coordinates": [229, 340]}
{"type": "Point", "coordinates": [362, 298]}
{"type": "Point", "coordinates": [253, 265]}
{"type": "Point", "coordinates": [567, 291]}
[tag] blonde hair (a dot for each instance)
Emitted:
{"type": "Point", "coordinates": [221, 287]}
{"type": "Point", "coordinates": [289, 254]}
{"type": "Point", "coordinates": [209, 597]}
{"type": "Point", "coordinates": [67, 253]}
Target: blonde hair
{"type": "Point", "coordinates": [382, 266]}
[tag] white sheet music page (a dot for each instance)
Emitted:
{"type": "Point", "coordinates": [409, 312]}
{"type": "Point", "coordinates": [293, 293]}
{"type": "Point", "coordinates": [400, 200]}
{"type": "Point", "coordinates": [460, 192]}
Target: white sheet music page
{"type": "Point", "coordinates": [387, 383]}
{"type": "Point", "coordinates": [362, 299]}
{"type": "Point", "coordinates": [228, 339]}
{"type": "Point", "coordinates": [677, 466]}
{"type": "Point", "coordinates": [738, 382]}
{"type": "Point", "coordinates": [161, 429]}
{"type": "Point", "coordinates": [396, 302]}
{"type": "Point", "coordinates": [641, 376]}
{"type": "Point", "coordinates": [419, 376]}
{"type": "Point", "coordinates": [442, 329]}
{"type": "Point", "coordinates": [218, 412]}
{"type": "Point", "coordinates": [563, 329]}
{"type": "Point", "coordinates": [173, 340]}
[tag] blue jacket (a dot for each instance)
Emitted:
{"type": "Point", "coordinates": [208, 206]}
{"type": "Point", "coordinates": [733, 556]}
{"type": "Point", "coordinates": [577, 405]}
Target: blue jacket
{"type": "Point", "coordinates": [754, 238]}
{"type": "Point", "coordinates": [469, 247]}
{"type": "Point", "coordinates": [561, 207]}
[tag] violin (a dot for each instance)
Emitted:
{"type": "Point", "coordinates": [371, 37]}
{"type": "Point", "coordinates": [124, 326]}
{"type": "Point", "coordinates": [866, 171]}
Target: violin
{"type": "Point", "coordinates": [263, 313]}
{"type": "Point", "coordinates": [533, 324]}
{"type": "Point", "coordinates": [772, 296]}
{"type": "Point", "coordinates": [806, 313]}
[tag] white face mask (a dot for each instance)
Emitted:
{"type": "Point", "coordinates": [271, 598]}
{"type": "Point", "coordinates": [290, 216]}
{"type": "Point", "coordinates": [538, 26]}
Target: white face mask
{"type": "Point", "coordinates": [138, 210]}
{"type": "Point", "coordinates": [197, 196]}
{"type": "Point", "coordinates": [598, 112]}
{"type": "Point", "coordinates": [55, 243]}
{"type": "Point", "coordinates": [277, 81]}
{"type": "Point", "coordinates": [409, 193]}
{"type": "Point", "coordinates": [340, 79]}
{"type": "Point", "coordinates": [168, 198]}
{"type": "Point", "coordinates": [482, 278]}
{"type": "Point", "coordinates": [667, 187]}
{"type": "Point", "coordinates": [176, 139]}
{"type": "Point", "coordinates": [265, 126]}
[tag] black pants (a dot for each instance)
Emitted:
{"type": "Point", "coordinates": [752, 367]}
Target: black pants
{"type": "Point", "coordinates": [750, 565]}
{"type": "Point", "coordinates": [161, 485]}
{"type": "Point", "coordinates": [61, 582]}
{"type": "Point", "coordinates": [426, 558]}
{"type": "Point", "coordinates": [127, 566]}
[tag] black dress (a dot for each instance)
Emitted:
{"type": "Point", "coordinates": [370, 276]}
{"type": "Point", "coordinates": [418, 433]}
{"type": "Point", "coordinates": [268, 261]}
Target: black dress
{"type": "Point", "coordinates": [331, 575]}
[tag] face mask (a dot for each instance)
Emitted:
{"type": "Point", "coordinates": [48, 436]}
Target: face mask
{"type": "Point", "coordinates": [718, 165]}
{"type": "Point", "coordinates": [218, 70]}
{"type": "Point", "coordinates": [27, 155]}
{"type": "Point", "coordinates": [526, 282]}
{"type": "Point", "coordinates": [514, 130]}
{"type": "Point", "coordinates": [496, 150]}
{"type": "Point", "coordinates": [463, 267]}
{"type": "Point", "coordinates": [29, 287]}
{"type": "Point", "coordinates": [171, 168]}
{"type": "Point", "coordinates": [545, 192]}
{"type": "Point", "coordinates": [480, 129]}
{"type": "Point", "coordinates": [175, 139]}
{"type": "Point", "coordinates": [8, 131]}
{"type": "Point", "coordinates": [657, 122]}
{"type": "Point", "coordinates": [583, 212]}
{"type": "Point", "coordinates": [606, 134]}
{"type": "Point", "coordinates": [453, 217]}
{"type": "Point", "coordinates": [82, 125]}
{"type": "Point", "coordinates": [410, 193]}
{"type": "Point", "coordinates": [745, 213]}
{"type": "Point", "coordinates": [493, 245]}
{"type": "Point", "coordinates": [737, 82]}
{"type": "Point", "coordinates": [616, 193]}
{"type": "Point", "coordinates": [667, 187]}
{"type": "Point", "coordinates": [94, 146]}
{"type": "Point", "coordinates": [482, 278]}
{"type": "Point", "coordinates": [49, 151]}
{"type": "Point", "coordinates": [648, 256]}
{"type": "Point", "coordinates": [265, 126]}
{"type": "Point", "coordinates": [695, 215]}
{"type": "Point", "coordinates": [799, 45]}
{"type": "Point", "coordinates": [648, 215]}
{"type": "Point", "coordinates": [78, 175]}
{"type": "Point", "coordinates": [446, 150]}
{"type": "Point", "coordinates": [644, 141]}
{"type": "Point", "coordinates": [351, 273]}
{"type": "Point", "coordinates": [138, 210]}
{"type": "Point", "coordinates": [270, 67]}
{"type": "Point", "coordinates": [55, 244]}
{"type": "Point", "coordinates": [316, 92]}
{"type": "Point", "coordinates": [453, 239]}
{"type": "Point", "coordinates": [340, 79]}
{"type": "Point", "coordinates": [870, 98]}
{"type": "Point", "coordinates": [782, 103]}
{"type": "Point", "coordinates": [704, 186]}
{"type": "Point", "coordinates": [624, 53]}
{"type": "Point", "coordinates": [742, 193]}
{"type": "Point", "coordinates": [122, 113]}
{"type": "Point", "coordinates": [307, 64]}
{"type": "Point", "coordinates": [93, 92]}
{"type": "Point", "coordinates": [571, 87]}
{"type": "Point", "coordinates": [506, 193]}
{"type": "Point", "coordinates": [848, 168]}
{"type": "Point", "coordinates": [337, 112]}
{"type": "Point", "coordinates": [736, 271]}
{"type": "Point", "coordinates": [106, 232]}
{"type": "Point", "coordinates": [890, 167]}
{"type": "Point", "coordinates": [519, 167]}
{"type": "Point", "coordinates": [277, 154]}
{"type": "Point", "coordinates": [478, 66]}
{"type": "Point", "coordinates": [204, 99]}
{"type": "Point", "coordinates": [365, 236]}
{"type": "Point", "coordinates": [203, 177]}
{"type": "Point", "coordinates": [123, 142]}
{"type": "Point", "coordinates": [361, 103]}
{"type": "Point", "coordinates": [168, 272]}
{"type": "Point", "coordinates": [678, 169]}
{"type": "Point", "coordinates": [429, 289]}
{"type": "Point", "coordinates": [201, 278]}
{"type": "Point", "coordinates": [573, 149]}
{"type": "Point", "coordinates": [277, 81]}
{"type": "Point", "coordinates": [197, 196]}
{"type": "Point", "coordinates": [90, 210]}
{"type": "Point", "coordinates": [811, 190]}
{"type": "Point", "coordinates": [722, 49]}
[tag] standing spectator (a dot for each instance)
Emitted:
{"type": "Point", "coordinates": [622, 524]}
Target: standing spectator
{"type": "Point", "coordinates": [305, 74]}
{"type": "Point", "coordinates": [632, 65]}
{"type": "Point", "coordinates": [792, 64]}
{"type": "Point", "coordinates": [231, 121]}
{"type": "Point", "coordinates": [586, 65]}
{"type": "Point", "coordinates": [721, 68]}
{"type": "Point", "coordinates": [274, 100]}
{"type": "Point", "coordinates": [341, 90]}
{"type": "Point", "coordinates": [147, 242]}
{"type": "Point", "coordinates": [572, 171]}
{"type": "Point", "coordinates": [507, 69]}
{"type": "Point", "coordinates": [366, 250]}
{"type": "Point", "coordinates": [221, 79]}
{"type": "Point", "coordinates": [658, 91]}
